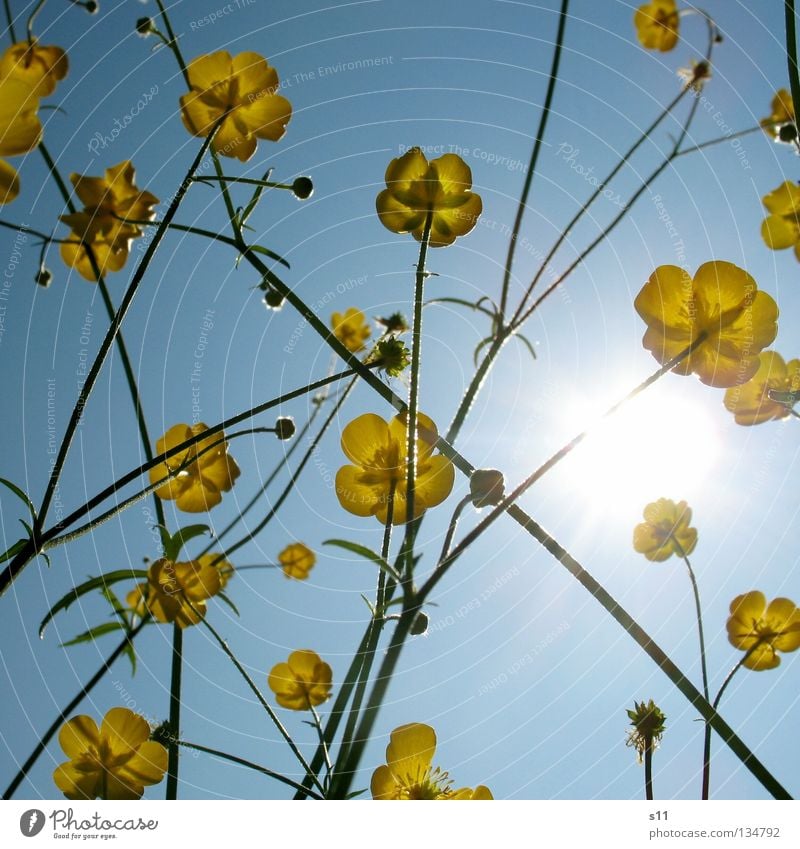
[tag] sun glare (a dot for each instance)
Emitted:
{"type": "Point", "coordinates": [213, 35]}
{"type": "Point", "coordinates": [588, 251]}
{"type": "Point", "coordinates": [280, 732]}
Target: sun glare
{"type": "Point", "coordinates": [655, 446]}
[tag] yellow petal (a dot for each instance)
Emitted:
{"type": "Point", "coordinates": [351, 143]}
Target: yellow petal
{"type": "Point", "coordinates": [763, 657]}
{"type": "Point", "coordinates": [383, 785]}
{"type": "Point", "coordinates": [205, 72]}
{"type": "Point", "coordinates": [665, 298]}
{"type": "Point", "coordinates": [9, 183]}
{"type": "Point", "coordinates": [78, 735]}
{"type": "Point", "coordinates": [124, 731]}
{"type": "Point", "coordinates": [20, 128]}
{"type": "Point", "coordinates": [363, 437]}
{"type": "Point", "coordinates": [76, 783]}
{"type": "Point", "coordinates": [266, 116]}
{"type": "Point", "coordinates": [435, 483]}
{"type": "Point", "coordinates": [356, 497]}
{"type": "Point", "coordinates": [721, 287]}
{"type": "Point", "coordinates": [785, 200]}
{"type": "Point", "coordinates": [410, 750]}
{"type": "Point", "coordinates": [147, 766]}
{"type": "Point", "coordinates": [779, 233]}
{"type": "Point", "coordinates": [412, 165]}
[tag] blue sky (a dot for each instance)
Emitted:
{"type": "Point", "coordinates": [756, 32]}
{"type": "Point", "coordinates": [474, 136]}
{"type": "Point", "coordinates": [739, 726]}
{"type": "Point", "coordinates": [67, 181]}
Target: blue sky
{"type": "Point", "coordinates": [525, 678]}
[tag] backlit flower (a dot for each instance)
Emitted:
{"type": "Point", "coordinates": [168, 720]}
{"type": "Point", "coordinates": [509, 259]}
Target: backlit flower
{"type": "Point", "coordinates": [351, 329]}
{"type": "Point", "coordinates": [416, 189]}
{"type": "Point", "coordinates": [205, 474]}
{"type": "Point", "coordinates": [225, 569]}
{"type": "Point", "coordinates": [665, 530]}
{"type": "Point", "coordinates": [657, 25]}
{"type": "Point", "coordinates": [763, 630]}
{"type": "Point", "coordinates": [304, 681]}
{"type": "Point", "coordinates": [750, 403]}
{"type": "Point", "coordinates": [648, 723]}
{"type": "Point", "coordinates": [177, 592]}
{"type": "Point", "coordinates": [116, 761]}
{"type": "Point", "coordinates": [297, 561]}
{"type": "Point", "coordinates": [41, 67]}
{"type": "Point", "coordinates": [378, 450]}
{"type": "Point", "coordinates": [20, 131]}
{"type": "Point", "coordinates": [408, 772]}
{"type": "Point", "coordinates": [781, 228]}
{"type": "Point", "coordinates": [782, 114]}
{"type": "Point", "coordinates": [244, 89]}
{"type": "Point", "coordinates": [720, 311]}
{"type": "Point", "coordinates": [106, 200]}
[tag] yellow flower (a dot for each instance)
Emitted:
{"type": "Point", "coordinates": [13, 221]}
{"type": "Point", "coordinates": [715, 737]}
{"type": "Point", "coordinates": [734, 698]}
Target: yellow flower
{"type": "Point", "coordinates": [723, 304]}
{"type": "Point", "coordinates": [41, 67]}
{"type": "Point", "coordinates": [20, 131]}
{"type": "Point", "coordinates": [781, 228]}
{"type": "Point", "coordinates": [379, 451]}
{"type": "Point", "coordinates": [763, 630]}
{"type": "Point", "coordinates": [116, 761]}
{"type": "Point", "coordinates": [665, 530]}
{"type": "Point", "coordinates": [416, 188]}
{"type": "Point", "coordinates": [297, 561]}
{"type": "Point", "coordinates": [225, 569]}
{"type": "Point", "coordinates": [351, 329]}
{"type": "Point", "coordinates": [750, 403]}
{"type": "Point", "coordinates": [244, 88]}
{"type": "Point", "coordinates": [782, 113]}
{"type": "Point", "coordinates": [408, 774]}
{"type": "Point", "coordinates": [657, 25]}
{"type": "Point", "coordinates": [106, 200]}
{"type": "Point", "coordinates": [176, 592]}
{"type": "Point", "coordinates": [198, 486]}
{"type": "Point", "coordinates": [304, 681]}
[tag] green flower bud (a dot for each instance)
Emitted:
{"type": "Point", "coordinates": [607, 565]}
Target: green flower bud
{"type": "Point", "coordinates": [486, 487]}
{"type": "Point", "coordinates": [303, 188]}
{"type": "Point", "coordinates": [284, 427]}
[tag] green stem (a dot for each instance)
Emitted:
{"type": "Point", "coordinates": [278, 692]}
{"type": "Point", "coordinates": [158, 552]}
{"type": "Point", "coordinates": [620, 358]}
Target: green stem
{"type": "Point", "coordinates": [325, 753]}
{"type": "Point", "coordinates": [10, 20]}
{"type": "Point", "coordinates": [262, 701]}
{"type": "Point", "coordinates": [62, 717]}
{"type": "Point", "coordinates": [249, 765]}
{"type": "Point", "coordinates": [791, 54]}
{"type": "Point", "coordinates": [537, 146]}
{"type": "Point", "coordinates": [648, 770]}
{"type": "Point", "coordinates": [173, 42]}
{"type": "Point", "coordinates": [174, 712]}
{"type": "Point", "coordinates": [451, 528]}
{"type": "Point", "coordinates": [32, 18]}
{"type": "Point", "coordinates": [720, 140]}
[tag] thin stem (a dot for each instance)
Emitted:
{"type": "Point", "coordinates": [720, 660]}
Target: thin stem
{"type": "Point", "coordinates": [699, 612]}
{"type": "Point", "coordinates": [537, 146]}
{"type": "Point", "coordinates": [72, 704]}
{"type": "Point", "coordinates": [173, 42]}
{"type": "Point", "coordinates": [791, 54]}
{"type": "Point", "coordinates": [321, 736]}
{"type": "Point", "coordinates": [174, 711]}
{"type": "Point", "coordinates": [262, 701]}
{"type": "Point", "coordinates": [451, 528]}
{"type": "Point", "coordinates": [249, 765]}
{"type": "Point", "coordinates": [32, 18]}
{"type": "Point", "coordinates": [10, 20]}
{"type": "Point", "coordinates": [648, 770]}
{"type": "Point", "coordinates": [721, 139]}
{"type": "Point", "coordinates": [248, 181]}
{"type": "Point", "coordinates": [130, 293]}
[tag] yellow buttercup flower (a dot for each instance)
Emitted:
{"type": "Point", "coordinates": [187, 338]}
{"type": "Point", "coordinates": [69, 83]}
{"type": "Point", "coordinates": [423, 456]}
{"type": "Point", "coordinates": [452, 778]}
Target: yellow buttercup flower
{"type": "Point", "coordinates": [379, 451]}
{"type": "Point", "coordinates": [750, 403]}
{"type": "Point", "coordinates": [657, 25]}
{"type": "Point", "coordinates": [665, 530]}
{"type": "Point", "coordinates": [416, 189]}
{"type": "Point", "coordinates": [225, 569]}
{"type": "Point", "coordinates": [116, 761]}
{"type": "Point", "coordinates": [781, 114]}
{"type": "Point", "coordinates": [198, 486]}
{"type": "Point", "coordinates": [781, 228]}
{"type": "Point", "coordinates": [763, 630]}
{"type": "Point", "coordinates": [408, 772]}
{"type": "Point", "coordinates": [351, 329]}
{"type": "Point", "coordinates": [106, 200]}
{"type": "Point", "coordinates": [176, 592]}
{"type": "Point", "coordinates": [297, 561]}
{"type": "Point", "coordinates": [20, 131]}
{"type": "Point", "coordinates": [301, 683]}
{"type": "Point", "coordinates": [244, 89]}
{"type": "Point", "coordinates": [723, 305]}
{"type": "Point", "coordinates": [42, 67]}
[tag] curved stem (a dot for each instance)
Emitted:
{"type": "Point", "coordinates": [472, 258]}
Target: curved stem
{"type": "Point", "coordinates": [71, 705]}
{"type": "Point", "coordinates": [249, 765]}
{"type": "Point", "coordinates": [10, 21]}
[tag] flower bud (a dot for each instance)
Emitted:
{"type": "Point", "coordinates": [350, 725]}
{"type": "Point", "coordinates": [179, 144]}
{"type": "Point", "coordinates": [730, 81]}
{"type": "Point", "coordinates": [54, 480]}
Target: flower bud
{"type": "Point", "coordinates": [420, 624]}
{"type": "Point", "coordinates": [486, 487]}
{"type": "Point", "coordinates": [394, 324]}
{"type": "Point", "coordinates": [44, 277]}
{"type": "Point", "coordinates": [303, 188]}
{"type": "Point", "coordinates": [273, 299]}
{"type": "Point", "coordinates": [284, 427]}
{"type": "Point", "coordinates": [92, 7]}
{"type": "Point", "coordinates": [144, 26]}
{"type": "Point", "coordinates": [787, 133]}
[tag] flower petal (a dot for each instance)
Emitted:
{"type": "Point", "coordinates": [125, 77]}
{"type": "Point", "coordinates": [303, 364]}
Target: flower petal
{"type": "Point", "coordinates": [124, 731]}
{"type": "Point", "coordinates": [410, 750]}
{"type": "Point", "coordinates": [77, 735]}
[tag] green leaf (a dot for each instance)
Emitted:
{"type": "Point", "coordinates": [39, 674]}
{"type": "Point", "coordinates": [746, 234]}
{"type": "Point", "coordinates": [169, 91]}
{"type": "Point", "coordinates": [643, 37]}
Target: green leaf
{"type": "Point", "coordinates": [177, 541]}
{"type": "Point", "coordinates": [13, 551]}
{"type": "Point", "coordinates": [481, 345]}
{"type": "Point", "coordinates": [116, 605]}
{"type": "Point", "coordinates": [227, 601]}
{"type": "Point", "coordinates": [271, 254]}
{"type": "Point", "coordinates": [94, 633]}
{"type": "Point", "coordinates": [463, 303]}
{"type": "Point", "coordinates": [367, 553]}
{"type": "Point", "coordinates": [88, 586]}
{"type": "Point", "coordinates": [130, 651]}
{"type": "Point", "coordinates": [255, 198]}
{"type": "Point", "coordinates": [21, 495]}
{"type": "Point", "coordinates": [527, 344]}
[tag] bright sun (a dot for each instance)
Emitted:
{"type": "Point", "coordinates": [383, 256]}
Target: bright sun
{"type": "Point", "coordinates": [654, 446]}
